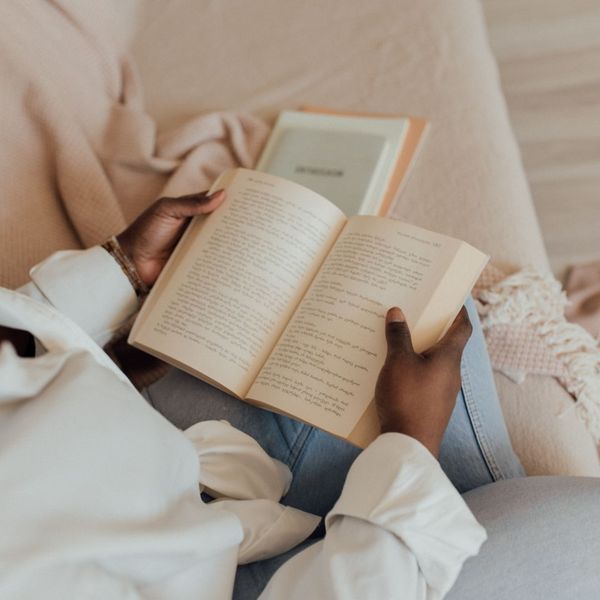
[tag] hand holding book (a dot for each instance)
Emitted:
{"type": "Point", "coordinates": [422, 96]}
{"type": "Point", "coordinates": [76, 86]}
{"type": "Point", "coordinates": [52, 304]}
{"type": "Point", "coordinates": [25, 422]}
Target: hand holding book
{"type": "Point", "coordinates": [150, 239]}
{"type": "Point", "coordinates": [404, 404]}
{"type": "Point", "coordinates": [416, 393]}
{"type": "Point", "coordinates": [280, 300]}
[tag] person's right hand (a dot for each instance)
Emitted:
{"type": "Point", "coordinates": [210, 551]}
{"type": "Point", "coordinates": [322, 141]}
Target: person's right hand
{"type": "Point", "coordinates": [416, 393]}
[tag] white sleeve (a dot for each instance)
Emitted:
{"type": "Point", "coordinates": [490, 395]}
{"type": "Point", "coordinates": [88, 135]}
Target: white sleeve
{"type": "Point", "coordinates": [399, 529]}
{"type": "Point", "coordinates": [86, 285]}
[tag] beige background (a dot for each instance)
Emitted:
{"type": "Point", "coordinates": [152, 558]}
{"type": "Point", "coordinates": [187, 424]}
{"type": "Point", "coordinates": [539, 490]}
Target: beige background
{"type": "Point", "coordinates": [548, 53]}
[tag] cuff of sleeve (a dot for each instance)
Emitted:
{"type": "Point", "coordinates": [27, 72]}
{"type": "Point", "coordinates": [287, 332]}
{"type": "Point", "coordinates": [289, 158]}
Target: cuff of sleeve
{"type": "Point", "coordinates": [234, 465]}
{"type": "Point", "coordinates": [398, 485]}
{"type": "Point", "coordinates": [89, 287]}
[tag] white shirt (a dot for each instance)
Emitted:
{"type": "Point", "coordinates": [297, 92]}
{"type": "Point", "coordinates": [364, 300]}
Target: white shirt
{"type": "Point", "coordinates": [100, 495]}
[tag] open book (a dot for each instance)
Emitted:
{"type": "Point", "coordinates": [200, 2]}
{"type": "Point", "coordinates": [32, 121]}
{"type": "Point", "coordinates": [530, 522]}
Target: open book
{"type": "Point", "coordinates": [280, 300]}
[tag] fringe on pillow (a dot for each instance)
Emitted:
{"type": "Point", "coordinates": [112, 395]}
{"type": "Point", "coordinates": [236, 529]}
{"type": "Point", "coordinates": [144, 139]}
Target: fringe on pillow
{"type": "Point", "coordinates": [538, 301]}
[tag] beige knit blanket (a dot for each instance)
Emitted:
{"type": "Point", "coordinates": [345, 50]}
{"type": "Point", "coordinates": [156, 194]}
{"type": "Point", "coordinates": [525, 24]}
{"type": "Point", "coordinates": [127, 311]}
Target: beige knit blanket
{"type": "Point", "coordinates": [79, 156]}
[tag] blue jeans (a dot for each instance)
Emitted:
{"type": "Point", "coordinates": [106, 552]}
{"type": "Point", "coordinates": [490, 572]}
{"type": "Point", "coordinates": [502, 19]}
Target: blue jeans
{"type": "Point", "coordinates": [475, 451]}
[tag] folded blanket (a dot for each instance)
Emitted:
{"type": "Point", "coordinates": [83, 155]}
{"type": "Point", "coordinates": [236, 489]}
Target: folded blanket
{"type": "Point", "coordinates": [523, 318]}
{"type": "Point", "coordinates": [80, 157]}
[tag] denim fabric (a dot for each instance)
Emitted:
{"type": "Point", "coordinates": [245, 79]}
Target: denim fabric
{"type": "Point", "coordinates": [476, 448]}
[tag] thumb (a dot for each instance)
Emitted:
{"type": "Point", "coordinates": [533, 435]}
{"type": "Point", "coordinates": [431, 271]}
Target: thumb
{"type": "Point", "coordinates": [397, 333]}
{"type": "Point", "coordinates": [191, 205]}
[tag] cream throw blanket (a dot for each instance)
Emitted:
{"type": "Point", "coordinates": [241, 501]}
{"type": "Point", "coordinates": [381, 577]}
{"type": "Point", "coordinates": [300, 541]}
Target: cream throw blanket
{"type": "Point", "coordinates": [523, 318]}
{"type": "Point", "coordinates": [80, 157]}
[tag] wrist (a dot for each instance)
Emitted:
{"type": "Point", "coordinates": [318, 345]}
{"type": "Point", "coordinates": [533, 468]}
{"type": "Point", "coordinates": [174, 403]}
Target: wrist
{"type": "Point", "coordinates": [119, 248]}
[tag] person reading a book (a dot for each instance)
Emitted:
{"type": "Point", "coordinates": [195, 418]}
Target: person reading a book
{"type": "Point", "coordinates": [100, 492]}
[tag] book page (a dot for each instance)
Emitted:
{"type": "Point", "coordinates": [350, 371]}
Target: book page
{"type": "Point", "coordinates": [324, 368]}
{"type": "Point", "coordinates": [238, 278]}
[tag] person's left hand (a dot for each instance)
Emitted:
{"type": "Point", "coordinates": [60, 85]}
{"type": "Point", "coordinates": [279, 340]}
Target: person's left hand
{"type": "Point", "coordinates": [150, 239]}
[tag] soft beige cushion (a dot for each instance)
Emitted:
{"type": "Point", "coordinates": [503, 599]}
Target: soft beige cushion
{"type": "Point", "coordinates": [546, 433]}
{"type": "Point", "coordinates": [428, 58]}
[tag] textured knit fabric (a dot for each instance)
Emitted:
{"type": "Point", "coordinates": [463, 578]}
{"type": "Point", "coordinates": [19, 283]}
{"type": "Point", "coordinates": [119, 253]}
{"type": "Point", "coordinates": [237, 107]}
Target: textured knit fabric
{"type": "Point", "coordinates": [80, 157]}
{"type": "Point", "coordinates": [523, 316]}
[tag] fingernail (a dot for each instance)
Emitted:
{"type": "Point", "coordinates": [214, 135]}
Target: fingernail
{"type": "Point", "coordinates": [395, 315]}
{"type": "Point", "coordinates": [216, 194]}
